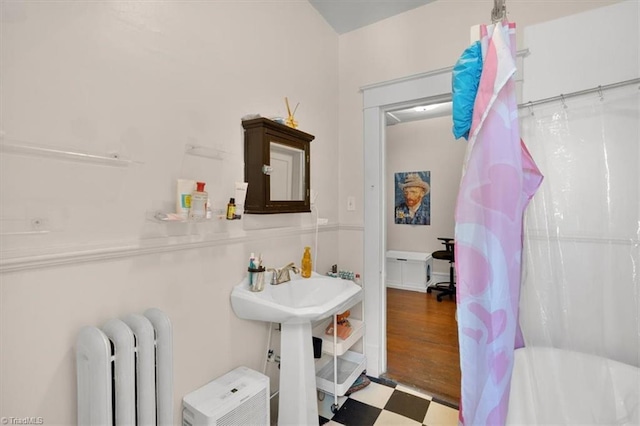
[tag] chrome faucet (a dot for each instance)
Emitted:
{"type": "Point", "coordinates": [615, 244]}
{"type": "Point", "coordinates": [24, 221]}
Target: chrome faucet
{"type": "Point", "coordinates": [282, 275]}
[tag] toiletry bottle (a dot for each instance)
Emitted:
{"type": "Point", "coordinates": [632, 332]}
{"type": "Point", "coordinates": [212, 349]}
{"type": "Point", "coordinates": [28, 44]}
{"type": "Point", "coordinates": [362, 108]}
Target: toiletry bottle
{"type": "Point", "coordinates": [252, 267]}
{"type": "Point", "coordinates": [183, 201]}
{"type": "Point", "coordinates": [306, 263]}
{"type": "Point", "coordinates": [199, 202]}
{"type": "Point", "coordinates": [231, 209]}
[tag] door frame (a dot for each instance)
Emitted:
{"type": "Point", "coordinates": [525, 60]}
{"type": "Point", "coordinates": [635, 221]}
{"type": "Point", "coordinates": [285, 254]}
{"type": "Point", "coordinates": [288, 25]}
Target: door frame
{"type": "Point", "coordinates": [424, 88]}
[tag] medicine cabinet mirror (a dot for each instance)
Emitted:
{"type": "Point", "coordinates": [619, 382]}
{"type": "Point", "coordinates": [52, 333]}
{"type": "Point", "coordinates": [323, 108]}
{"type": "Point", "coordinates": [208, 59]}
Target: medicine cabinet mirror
{"type": "Point", "coordinates": [276, 167]}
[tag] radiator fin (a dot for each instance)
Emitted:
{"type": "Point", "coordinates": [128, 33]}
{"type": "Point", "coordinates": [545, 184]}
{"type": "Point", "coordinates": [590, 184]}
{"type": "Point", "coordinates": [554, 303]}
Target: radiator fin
{"type": "Point", "coordinates": [93, 361]}
{"type": "Point", "coordinates": [124, 377]}
{"type": "Point", "coordinates": [164, 365]}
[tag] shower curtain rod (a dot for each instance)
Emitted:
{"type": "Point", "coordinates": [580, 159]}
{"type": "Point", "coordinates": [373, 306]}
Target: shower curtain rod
{"type": "Point", "coordinates": [563, 97]}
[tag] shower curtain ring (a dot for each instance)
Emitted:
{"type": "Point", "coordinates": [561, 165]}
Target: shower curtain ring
{"type": "Point", "coordinates": [531, 108]}
{"type": "Point", "coordinates": [600, 93]}
{"type": "Point", "coordinates": [564, 105]}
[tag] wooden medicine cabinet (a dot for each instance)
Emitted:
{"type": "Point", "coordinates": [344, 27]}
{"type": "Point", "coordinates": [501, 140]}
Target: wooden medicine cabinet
{"type": "Point", "coordinates": [276, 167]}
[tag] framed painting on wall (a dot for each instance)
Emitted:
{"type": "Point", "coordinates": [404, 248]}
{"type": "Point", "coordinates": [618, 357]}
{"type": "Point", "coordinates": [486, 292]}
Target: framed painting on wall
{"type": "Point", "coordinates": [413, 198]}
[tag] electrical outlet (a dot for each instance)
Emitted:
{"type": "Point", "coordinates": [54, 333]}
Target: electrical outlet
{"type": "Point", "coordinates": [351, 203]}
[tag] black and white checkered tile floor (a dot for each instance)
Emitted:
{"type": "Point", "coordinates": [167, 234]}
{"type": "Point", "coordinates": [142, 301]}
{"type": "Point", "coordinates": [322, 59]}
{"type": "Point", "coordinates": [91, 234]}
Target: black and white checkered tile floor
{"type": "Point", "coordinates": [383, 403]}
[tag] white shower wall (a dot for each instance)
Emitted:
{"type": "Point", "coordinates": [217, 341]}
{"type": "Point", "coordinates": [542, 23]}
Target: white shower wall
{"type": "Point", "coordinates": [585, 50]}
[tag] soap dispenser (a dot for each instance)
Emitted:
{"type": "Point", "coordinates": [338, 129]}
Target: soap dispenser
{"type": "Point", "coordinates": [306, 263]}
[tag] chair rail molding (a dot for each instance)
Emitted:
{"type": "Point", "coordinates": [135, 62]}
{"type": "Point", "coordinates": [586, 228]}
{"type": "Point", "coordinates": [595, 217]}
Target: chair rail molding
{"type": "Point", "coordinates": [57, 256]}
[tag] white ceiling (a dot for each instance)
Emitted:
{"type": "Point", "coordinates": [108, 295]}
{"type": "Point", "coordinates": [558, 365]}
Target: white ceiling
{"type": "Point", "coordinates": [348, 15]}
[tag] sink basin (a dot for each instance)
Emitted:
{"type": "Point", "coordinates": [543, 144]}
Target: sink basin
{"type": "Point", "coordinates": [295, 304]}
{"type": "Point", "coordinates": [301, 299]}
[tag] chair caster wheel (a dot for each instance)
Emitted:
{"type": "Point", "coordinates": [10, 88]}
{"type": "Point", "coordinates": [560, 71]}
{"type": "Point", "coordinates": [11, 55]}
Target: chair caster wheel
{"type": "Point", "coordinates": [429, 290]}
{"type": "Point", "coordinates": [334, 408]}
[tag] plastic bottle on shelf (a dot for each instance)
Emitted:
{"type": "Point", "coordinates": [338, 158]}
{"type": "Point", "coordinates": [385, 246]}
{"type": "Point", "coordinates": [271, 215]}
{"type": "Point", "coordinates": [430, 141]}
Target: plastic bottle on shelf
{"type": "Point", "coordinates": [231, 209]}
{"type": "Point", "coordinates": [306, 264]}
{"type": "Point", "coordinates": [199, 199]}
{"type": "Point", "coordinates": [357, 280]}
{"type": "Point", "coordinates": [185, 188]}
{"type": "Point", "coordinates": [209, 213]}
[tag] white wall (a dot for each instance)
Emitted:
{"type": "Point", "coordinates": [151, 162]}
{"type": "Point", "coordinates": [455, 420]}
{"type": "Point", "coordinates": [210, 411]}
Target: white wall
{"type": "Point", "coordinates": [425, 145]}
{"type": "Point", "coordinates": [144, 79]}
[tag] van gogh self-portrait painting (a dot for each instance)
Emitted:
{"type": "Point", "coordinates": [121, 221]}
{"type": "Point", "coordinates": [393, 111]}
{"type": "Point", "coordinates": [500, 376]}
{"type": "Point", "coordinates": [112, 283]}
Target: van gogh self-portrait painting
{"type": "Point", "coordinates": [413, 198]}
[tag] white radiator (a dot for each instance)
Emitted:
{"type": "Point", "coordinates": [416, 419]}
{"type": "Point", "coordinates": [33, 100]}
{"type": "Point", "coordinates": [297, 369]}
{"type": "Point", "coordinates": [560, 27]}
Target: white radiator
{"type": "Point", "coordinates": [238, 398]}
{"type": "Point", "coordinates": [125, 371]}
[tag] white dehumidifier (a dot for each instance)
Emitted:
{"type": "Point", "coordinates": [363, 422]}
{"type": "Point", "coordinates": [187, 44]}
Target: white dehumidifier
{"type": "Point", "coordinates": [239, 398]}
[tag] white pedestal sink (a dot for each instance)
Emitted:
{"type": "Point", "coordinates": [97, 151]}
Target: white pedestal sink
{"type": "Point", "coordinates": [295, 305]}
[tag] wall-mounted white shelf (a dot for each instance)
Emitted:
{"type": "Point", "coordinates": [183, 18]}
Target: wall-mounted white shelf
{"type": "Point", "coordinates": [159, 216]}
{"type": "Point", "coordinates": [204, 151]}
{"type": "Point", "coordinates": [13, 146]}
{"type": "Point", "coordinates": [9, 234]}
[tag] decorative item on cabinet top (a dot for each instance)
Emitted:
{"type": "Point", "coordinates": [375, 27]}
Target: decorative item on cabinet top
{"type": "Point", "coordinates": [277, 167]}
{"type": "Point", "coordinates": [291, 121]}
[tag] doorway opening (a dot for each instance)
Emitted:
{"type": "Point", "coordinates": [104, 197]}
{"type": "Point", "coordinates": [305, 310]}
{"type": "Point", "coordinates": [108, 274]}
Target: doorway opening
{"type": "Point", "coordinates": [422, 344]}
{"type": "Point", "coordinates": [422, 335]}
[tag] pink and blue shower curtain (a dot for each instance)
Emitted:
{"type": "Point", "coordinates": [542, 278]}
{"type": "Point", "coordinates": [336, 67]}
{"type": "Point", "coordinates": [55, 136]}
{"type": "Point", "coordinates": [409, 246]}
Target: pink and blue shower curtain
{"type": "Point", "coordinates": [499, 179]}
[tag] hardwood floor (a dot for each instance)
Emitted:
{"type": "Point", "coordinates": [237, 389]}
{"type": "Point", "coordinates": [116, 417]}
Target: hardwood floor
{"type": "Point", "coordinates": [422, 343]}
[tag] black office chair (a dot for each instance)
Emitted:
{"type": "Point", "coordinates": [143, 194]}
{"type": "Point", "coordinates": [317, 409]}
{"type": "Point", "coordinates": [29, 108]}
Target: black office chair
{"type": "Point", "coordinates": [446, 287]}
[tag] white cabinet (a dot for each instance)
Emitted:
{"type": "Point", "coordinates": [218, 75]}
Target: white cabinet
{"type": "Point", "coordinates": [408, 270]}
